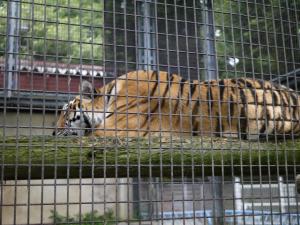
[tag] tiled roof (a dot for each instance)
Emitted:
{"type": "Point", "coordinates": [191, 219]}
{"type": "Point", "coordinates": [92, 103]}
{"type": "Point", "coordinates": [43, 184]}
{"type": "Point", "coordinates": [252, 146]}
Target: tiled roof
{"type": "Point", "coordinates": [57, 68]}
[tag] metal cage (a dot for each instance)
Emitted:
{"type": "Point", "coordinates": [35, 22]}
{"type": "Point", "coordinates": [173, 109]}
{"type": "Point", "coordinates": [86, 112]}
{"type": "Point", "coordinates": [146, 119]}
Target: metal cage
{"type": "Point", "coordinates": [48, 48]}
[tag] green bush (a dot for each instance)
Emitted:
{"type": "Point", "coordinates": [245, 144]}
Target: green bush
{"type": "Point", "coordinates": [85, 219]}
{"type": "Point", "coordinates": [64, 31]}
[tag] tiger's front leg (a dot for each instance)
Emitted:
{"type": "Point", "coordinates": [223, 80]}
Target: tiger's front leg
{"type": "Point", "coordinates": [122, 125]}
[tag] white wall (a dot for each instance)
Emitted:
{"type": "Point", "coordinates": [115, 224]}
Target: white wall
{"type": "Point", "coordinates": [32, 201]}
{"type": "Point", "coordinates": [24, 123]}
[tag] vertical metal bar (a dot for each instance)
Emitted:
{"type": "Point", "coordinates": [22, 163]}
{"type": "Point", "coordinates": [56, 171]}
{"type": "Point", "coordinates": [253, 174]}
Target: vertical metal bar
{"type": "Point", "coordinates": [270, 163]}
{"type": "Point", "coordinates": [183, 180]}
{"type": "Point", "coordinates": [13, 16]}
{"type": "Point", "coordinates": [211, 74]}
{"type": "Point", "coordinates": [195, 184]}
{"type": "Point", "coordinates": [282, 7]}
{"type": "Point", "coordinates": [3, 142]}
{"type": "Point", "coordinates": [147, 60]}
{"type": "Point", "coordinates": [156, 63]}
{"type": "Point", "coordinates": [268, 38]}
{"type": "Point", "coordinates": [69, 91]}
{"type": "Point", "coordinates": [104, 186]}
{"type": "Point", "coordinates": [146, 42]}
{"type": "Point", "coordinates": [136, 180]}
{"type": "Point", "coordinates": [238, 194]}
{"type": "Point", "coordinates": [12, 47]}
{"type": "Point", "coordinates": [180, 95]}
{"type": "Point", "coordinates": [44, 122]}
{"type": "Point", "coordinates": [217, 193]}
{"type": "Point", "coordinates": [32, 18]}
{"type": "Point", "coordinates": [209, 44]}
{"type": "Point", "coordinates": [91, 11]}
{"type": "Point", "coordinates": [295, 47]}
{"type": "Point", "coordinates": [282, 195]}
{"type": "Point", "coordinates": [55, 182]}
{"type": "Point", "coordinates": [252, 48]}
{"type": "Point", "coordinates": [161, 179]}
{"type": "Point", "coordinates": [127, 184]}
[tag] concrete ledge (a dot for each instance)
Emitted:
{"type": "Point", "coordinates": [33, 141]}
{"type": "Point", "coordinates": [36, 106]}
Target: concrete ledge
{"type": "Point", "coordinates": [37, 101]}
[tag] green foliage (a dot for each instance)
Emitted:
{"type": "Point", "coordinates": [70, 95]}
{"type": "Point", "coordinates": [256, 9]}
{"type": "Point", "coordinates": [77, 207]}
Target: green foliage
{"type": "Point", "coordinates": [262, 34]}
{"type": "Point", "coordinates": [3, 22]}
{"type": "Point", "coordinates": [66, 31]}
{"type": "Point", "coordinates": [85, 219]}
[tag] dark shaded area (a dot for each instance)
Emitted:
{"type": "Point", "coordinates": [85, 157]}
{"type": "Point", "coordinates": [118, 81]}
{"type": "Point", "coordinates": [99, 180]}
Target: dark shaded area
{"type": "Point", "coordinates": [176, 33]}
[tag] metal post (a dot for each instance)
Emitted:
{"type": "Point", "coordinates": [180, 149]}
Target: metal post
{"type": "Point", "coordinates": [146, 60]}
{"type": "Point", "coordinates": [12, 43]}
{"type": "Point", "coordinates": [146, 38]}
{"type": "Point", "coordinates": [238, 194]}
{"type": "Point", "coordinates": [209, 43]}
{"type": "Point", "coordinates": [217, 194]}
{"type": "Point", "coordinates": [211, 74]}
{"type": "Point", "coordinates": [282, 194]}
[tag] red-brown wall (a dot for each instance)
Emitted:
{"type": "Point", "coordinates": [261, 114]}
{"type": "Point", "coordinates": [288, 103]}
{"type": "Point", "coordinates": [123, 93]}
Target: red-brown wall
{"type": "Point", "coordinates": [32, 81]}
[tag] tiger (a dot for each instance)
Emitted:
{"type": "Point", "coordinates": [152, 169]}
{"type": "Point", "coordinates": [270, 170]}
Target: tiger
{"type": "Point", "coordinates": [142, 103]}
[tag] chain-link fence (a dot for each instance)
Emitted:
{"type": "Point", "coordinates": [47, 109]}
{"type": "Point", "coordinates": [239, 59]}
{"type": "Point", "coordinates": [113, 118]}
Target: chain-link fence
{"type": "Point", "coordinates": [149, 111]}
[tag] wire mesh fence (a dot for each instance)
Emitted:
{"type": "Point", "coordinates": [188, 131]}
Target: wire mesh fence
{"type": "Point", "coordinates": [149, 111]}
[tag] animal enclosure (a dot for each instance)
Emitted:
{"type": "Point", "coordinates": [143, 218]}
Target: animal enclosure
{"type": "Point", "coordinates": [149, 112]}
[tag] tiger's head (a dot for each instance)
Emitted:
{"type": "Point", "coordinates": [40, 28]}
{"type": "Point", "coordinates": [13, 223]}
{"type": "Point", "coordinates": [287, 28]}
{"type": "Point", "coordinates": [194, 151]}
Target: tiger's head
{"type": "Point", "coordinates": [83, 113]}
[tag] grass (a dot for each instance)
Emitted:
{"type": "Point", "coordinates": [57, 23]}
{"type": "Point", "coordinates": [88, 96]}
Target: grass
{"type": "Point", "coordinates": [91, 218]}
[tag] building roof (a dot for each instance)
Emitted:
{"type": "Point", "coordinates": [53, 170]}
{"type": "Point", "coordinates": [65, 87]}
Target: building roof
{"type": "Point", "coordinates": [57, 68]}
{"type": "Point", "coordinates": [39, 87]}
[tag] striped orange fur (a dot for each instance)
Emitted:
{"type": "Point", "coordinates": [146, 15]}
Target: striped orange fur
{"type": "Point", "coordinates": [143, 103]}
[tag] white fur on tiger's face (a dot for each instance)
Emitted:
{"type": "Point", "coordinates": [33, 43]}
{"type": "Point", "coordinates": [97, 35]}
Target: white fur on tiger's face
{"type": "Point", "coordinates": [143, 103]}
{"type": "Point", "coordinates": [77, 120]}
{"type": "Point", "coordinates": [79, 116]}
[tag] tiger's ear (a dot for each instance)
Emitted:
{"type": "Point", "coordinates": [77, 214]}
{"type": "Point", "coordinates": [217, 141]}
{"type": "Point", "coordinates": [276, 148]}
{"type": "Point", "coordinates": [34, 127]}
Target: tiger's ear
{"type": "Point", "coordinates": [86, 89]}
